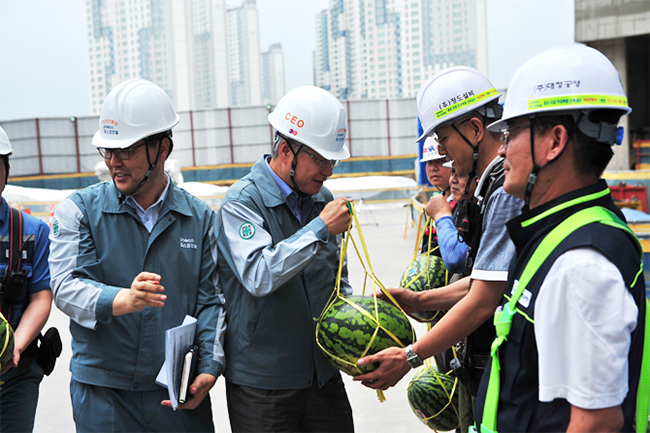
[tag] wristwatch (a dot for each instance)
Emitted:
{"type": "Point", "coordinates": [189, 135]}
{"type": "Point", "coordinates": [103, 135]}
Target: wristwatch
{"type": "Point", "coordinates": [412, 357]}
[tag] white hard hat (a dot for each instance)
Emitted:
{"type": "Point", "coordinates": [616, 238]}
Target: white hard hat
{"type": "Point", "coordinates": [453, 93]}
{"type": "Point", "coordinates": [449, 164]}
{"type": "Point", "coordinates": [134, 110]}
{"type": "Point", "coordinates": [5, 144]}
{"type": "Point", "coordinates": [430, 150]}
{"type": "Point", "coordinates": [314, 117]}
{"type": "Point", "coordinates": [567, 79]}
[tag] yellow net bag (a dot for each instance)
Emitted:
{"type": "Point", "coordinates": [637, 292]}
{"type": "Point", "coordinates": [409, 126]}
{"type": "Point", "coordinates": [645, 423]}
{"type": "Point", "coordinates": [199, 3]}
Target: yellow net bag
{"type": "Point", "coordinates": [6, 342]}
{"type": "Point", "coordinates": [352, 327]}
{"type": "Point", "coordinates": [433, 397]}
{"type": "Point", "coordinates": [426, 271]}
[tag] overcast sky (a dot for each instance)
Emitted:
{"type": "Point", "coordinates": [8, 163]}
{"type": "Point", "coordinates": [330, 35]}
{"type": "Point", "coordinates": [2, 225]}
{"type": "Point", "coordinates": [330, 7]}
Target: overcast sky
{"type": "Point", "coordinates": [44, 72]}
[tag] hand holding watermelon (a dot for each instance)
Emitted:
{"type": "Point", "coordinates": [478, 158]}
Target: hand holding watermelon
{"type": "Point", "coordinates": [392, 367]}
{"type": "Point", "coordinates": [407, 299]}
{"type": "Point", "coordinates": [351, 327]}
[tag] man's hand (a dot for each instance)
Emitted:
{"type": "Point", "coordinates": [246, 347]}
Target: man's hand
{"type": "Point", "coordinates": [437, 207]}
{"type": "Point", "coordinates": [198, 390]}
{"type": "Point", "coordinates": [145, 291]}
{"type": "Point", "coordinates": [407, 299]}
{"type": "Point", "coordinates": [336, 215]}
{"type": "Point", "coordinates": [392, 368]}
{"type": "Point", "coordinates": [13, 363]}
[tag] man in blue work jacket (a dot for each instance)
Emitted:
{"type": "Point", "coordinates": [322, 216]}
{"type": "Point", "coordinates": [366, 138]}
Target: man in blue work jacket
{"type": "Point", "coordinates": [130, 258]}
{"type": "Point", "coordinates": [279, 256]}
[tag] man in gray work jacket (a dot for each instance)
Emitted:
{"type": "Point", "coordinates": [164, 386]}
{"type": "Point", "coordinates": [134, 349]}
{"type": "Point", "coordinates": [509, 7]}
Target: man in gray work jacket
{"type": "Point", "coordinates": [279, 256]}
{"type": "Point", "coordinates": [129, 259]}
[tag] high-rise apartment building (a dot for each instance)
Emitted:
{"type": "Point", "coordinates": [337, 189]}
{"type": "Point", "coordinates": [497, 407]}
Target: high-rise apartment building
{"type": "Point", "coordinates": [208, 45]}
{"type": "Point", "coordinates": [137, 39]}
{"type": "Point", "coordinates": [272, 75]}
{"type": "Point", "coordinates": [388, 48]}
{"type": "Point", "coordinates": [244, 52]}
{"type": "Point", "coordinates": [203, 54]}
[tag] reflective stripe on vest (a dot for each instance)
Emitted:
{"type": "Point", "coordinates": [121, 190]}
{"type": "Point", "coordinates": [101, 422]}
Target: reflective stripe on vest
{"type": "Point", "coordinates": [503, 317]}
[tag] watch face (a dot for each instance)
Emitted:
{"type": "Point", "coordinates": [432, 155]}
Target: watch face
{"type": "Point", "coordinates": [413, 358]}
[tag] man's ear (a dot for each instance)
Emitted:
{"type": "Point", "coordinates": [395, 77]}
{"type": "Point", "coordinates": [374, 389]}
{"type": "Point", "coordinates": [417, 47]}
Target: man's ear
{"type": "Point", "coordinates": [559, 140]}
{"type": "Point", "coordinates": [165, 147]}
{"type": "Point", "coordinates": [285, 152]}
{"type": "Point", "coordinates": [478, 130]}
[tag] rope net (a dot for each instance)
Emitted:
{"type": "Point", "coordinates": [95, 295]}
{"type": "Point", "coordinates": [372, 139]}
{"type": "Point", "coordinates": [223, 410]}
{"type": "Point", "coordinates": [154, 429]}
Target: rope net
{"type": "Point", "coordinates": [433, 397]}
{"type": "Point", "coordinates": [7, 343]}
{"type": "Point", "coordinates": [419, 274]}
{"type": "Point", "coordinates": [377, 307]}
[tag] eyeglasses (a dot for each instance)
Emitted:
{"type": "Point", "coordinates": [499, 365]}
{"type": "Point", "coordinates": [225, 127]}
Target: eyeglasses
{"type": "Point", "coordinates": [439, 139]}
{"type": "Point", "coordinates": [506, 135]}
{"type": "Point", "coordinates": [121, 154]}
{"type": "Point", "coordinates": [322, 163]}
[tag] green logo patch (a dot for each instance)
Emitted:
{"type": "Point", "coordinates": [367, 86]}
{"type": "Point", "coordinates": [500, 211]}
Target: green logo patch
{"type": "Point", "coordinates": [55, 228]}
{"type": "Point", "coordinates": [246, 230]}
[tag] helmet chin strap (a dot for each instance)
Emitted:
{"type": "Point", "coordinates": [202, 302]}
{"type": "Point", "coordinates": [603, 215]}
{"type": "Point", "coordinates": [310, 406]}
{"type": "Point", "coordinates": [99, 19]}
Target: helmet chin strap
{"type": "Point", "coordinates": [532, 178]}
{"type": "Point", "coordinates": [472, 174]}
{"type": "Point", "coordinates": [292, 173]}
{"type": "Point", "coordinates": [122, 197]}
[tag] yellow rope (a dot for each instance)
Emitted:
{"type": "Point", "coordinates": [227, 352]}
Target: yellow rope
{"type": "Point", "coordinates": [369, 273]}
{"type": "Point", "coordinates": [406, 283]}
{"type": "Point", "coordinates": [7, 337]}
{"type": "Point", "coordinates": [418, 374]}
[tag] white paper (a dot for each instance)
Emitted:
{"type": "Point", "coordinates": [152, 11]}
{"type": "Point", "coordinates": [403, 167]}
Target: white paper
{"type": "Point", "coordinates": [177, 341]}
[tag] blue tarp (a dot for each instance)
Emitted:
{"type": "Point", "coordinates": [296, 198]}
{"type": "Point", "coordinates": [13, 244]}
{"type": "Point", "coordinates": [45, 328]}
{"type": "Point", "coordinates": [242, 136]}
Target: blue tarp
{"type": "Point", "coordinates": [635, 216]}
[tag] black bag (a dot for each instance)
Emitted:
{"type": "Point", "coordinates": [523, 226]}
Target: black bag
{"type": "Point", "coordinates": [49, 348]}
{"type": "Point", "coordinates": [14, 281]}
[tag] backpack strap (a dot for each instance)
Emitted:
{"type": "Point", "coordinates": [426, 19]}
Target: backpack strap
{"type": "Point", "coordinates": [15, 256]}
{"type": "Point", "coordinates": [15, 240]}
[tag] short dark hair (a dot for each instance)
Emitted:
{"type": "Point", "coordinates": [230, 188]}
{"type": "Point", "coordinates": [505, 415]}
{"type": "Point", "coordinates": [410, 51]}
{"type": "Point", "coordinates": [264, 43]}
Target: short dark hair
{"type": "Point", "coordinates": [155, 138]}
{"type": "Point", "coordinates": [590, 157]}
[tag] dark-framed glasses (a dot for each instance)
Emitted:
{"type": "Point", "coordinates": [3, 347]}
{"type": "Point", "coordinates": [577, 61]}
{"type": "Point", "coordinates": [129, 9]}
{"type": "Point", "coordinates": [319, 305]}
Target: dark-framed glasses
{"type": "Point", "coordinates": [506, 134]}
{"type": "Point", "coordinates": [322, 163]}
{"type": "Point", "coordinates": [121, 154]}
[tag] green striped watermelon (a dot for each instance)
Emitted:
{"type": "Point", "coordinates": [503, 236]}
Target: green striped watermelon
{"type": "Point", "coordinates": [345, 333]}
{"type": "Point", "coordinates": [418, 277]}
{"type": "Point", "coordinates": [6, 342]}
{"type": "Point", "coordinates": [429, 396]}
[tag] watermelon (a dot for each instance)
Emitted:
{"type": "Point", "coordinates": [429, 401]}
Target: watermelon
{"type": "Point", "coordinates": [6, 342]}
{"type": "Point", "coordinates": [346, 334]}
{"type": "Point", "coordinates": [434, 398]}
{"type": "Point", "coordinates": [419, 277]}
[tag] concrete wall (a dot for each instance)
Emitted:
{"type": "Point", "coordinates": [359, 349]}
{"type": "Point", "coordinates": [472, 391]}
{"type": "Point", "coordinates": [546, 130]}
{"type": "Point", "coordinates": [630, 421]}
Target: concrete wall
{"type": "Point", "coordinates": [608, 19]}
{"type": "Point", "coordinates": [610, 26]}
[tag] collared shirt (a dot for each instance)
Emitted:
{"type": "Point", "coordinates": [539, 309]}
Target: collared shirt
{"type": "Point", "coordinates": [293, 199]}
{"type": "Point", "coordinates": [485, 177]}
{"type": "Point", "coordinates": [149, 216]}
{"type": "Point", "coordinates": [496, 249]}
